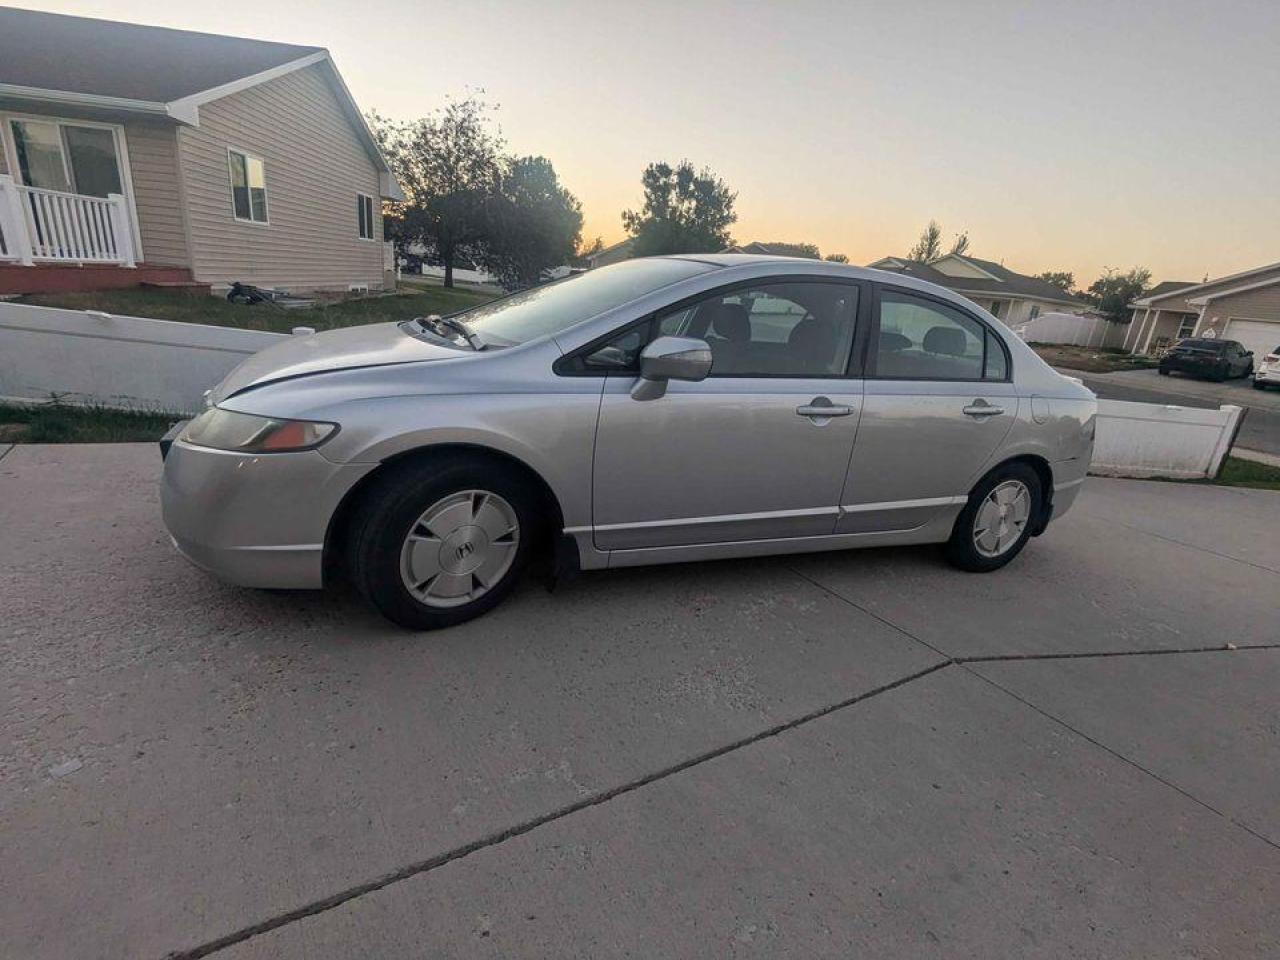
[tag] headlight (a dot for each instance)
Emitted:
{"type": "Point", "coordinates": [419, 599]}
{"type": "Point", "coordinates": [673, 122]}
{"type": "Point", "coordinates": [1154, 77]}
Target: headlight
{"type": "Point", "coordinates": [228, 430]}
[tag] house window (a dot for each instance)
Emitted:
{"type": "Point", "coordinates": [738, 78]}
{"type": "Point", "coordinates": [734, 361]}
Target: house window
{"type": "Point", "coordinates": [995, 308]}
{"type": "Point", "coordinates": [364, 215]}
{"type": "Point", "coordinates": [1187, 327]}
{"type": "Point", "coordinates": [1035, 311]}
{"type": "Point", "coordinates": [248, 187]}
{"type": "Point", "coordinates": [67, 157]}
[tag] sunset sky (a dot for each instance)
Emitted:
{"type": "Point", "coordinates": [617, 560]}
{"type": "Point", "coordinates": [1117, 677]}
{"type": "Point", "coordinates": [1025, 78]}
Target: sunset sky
{"type": "Point", "coordinates": [1060, 135]}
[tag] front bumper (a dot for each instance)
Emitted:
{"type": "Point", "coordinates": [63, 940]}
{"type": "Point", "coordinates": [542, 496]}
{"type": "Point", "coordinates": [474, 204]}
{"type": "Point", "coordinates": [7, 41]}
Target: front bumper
{"type": "Point", "coordinates": [257, 520]}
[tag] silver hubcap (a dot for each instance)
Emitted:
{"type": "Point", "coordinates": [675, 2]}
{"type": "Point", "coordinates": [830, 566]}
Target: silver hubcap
{"type": "Point", "coordinates": [1001, 518]}
{"type": "Point", "coordinates": [459, 548]}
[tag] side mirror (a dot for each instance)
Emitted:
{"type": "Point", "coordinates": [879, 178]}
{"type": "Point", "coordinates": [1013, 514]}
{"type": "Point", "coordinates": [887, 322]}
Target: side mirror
{"type": "Point", "coordinates": [671, 358]}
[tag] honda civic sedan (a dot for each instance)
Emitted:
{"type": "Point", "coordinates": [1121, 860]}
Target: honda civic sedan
{"type": "Point", "coordinates": [659, 410]}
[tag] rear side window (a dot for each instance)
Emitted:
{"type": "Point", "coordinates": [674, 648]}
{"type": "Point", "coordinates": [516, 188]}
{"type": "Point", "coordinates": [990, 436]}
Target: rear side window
{"type": "Point", "coordinates": [920, 339]}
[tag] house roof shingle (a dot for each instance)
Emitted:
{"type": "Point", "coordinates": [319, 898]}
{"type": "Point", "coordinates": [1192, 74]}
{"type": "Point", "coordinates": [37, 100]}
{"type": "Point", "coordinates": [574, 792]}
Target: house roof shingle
{"type": "Point", "coordinates": [1007, 281]}
{"type": "Point", "coordinates": [50, 51]}
{"type": "Point", "coordinates": [1168, 286]}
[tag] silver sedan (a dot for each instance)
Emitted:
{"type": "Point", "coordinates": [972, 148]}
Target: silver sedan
{"type": "Point", "coordinates": [655, 411]}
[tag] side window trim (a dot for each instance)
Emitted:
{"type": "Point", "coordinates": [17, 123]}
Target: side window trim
{"type": "Point", "coordinates": [873, 336]}
{"type": "Point", "coordinates": [854, 362]}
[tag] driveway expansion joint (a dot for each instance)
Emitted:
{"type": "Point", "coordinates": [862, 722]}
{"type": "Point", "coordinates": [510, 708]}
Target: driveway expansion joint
{"type": "Point", "coordinates": [510, 833]}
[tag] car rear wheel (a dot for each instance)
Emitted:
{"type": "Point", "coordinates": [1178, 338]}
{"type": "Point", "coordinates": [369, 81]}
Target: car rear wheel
{"type": "Point", "coordinates": [997, 521]}
{"type": "Point", "coordinates": [438, 545]}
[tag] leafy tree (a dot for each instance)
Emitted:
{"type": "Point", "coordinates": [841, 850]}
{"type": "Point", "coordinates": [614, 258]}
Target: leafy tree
{"type": "Point", "coordinates": [836, 258]}
{"type": "Point", "coordinates": [533, 223]}
{"type": "Point", "coordinates": [1114, 291]}
{"type": "Point", "coordinates": [1064, 280]}
{"type": "Point", "coordinates": [684, 211]}
{"type": "Point", "coordinates": [929, 247]}
{"type": "Point", "coordinates": [449, 164]}
{"type": "Point", "coordinates": [807, 250]}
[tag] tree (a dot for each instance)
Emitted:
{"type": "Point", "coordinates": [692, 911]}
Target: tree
{"type": "Point", "coordinates": [449, 164]}
{"type": "Point", "coordinates": [836, 258]}
{"type": "Point", "coordinates": [929, 247]}
{"type": "Point", "coordinates": [1064, 280]}
{"type": "Point", "coordinates": [1114, 291]}
{"type": "Point", "coordinates": [587, 250]}
{"type": "Point", "coordinates": [684, 211]}
{"type": "Point", "coordinates": [533, 223]}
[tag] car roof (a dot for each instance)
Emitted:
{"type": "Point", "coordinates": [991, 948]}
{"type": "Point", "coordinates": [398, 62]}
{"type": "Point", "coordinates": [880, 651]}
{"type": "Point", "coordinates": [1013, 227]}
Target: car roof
{"type": "Point", "coordinates": [826, 268]}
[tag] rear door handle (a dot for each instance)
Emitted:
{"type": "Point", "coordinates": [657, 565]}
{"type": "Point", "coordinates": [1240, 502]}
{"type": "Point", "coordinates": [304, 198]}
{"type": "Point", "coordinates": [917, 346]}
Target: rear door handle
{"type": "Point", "coordinates": [982, 409]}
{"type": "Point", "coordinates": [820, 408]}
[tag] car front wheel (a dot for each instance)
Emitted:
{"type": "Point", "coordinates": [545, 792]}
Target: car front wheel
{"type": "Point", "coordinates": [442, 543]}
{"type": "Point", "coordinates": [996, 523]}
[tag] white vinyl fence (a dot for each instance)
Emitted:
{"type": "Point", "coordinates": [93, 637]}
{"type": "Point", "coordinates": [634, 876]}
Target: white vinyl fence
{"type": "Point", "coordinates": [87, 357]}
{"type": "Point", "coordinates": [1155, 440]}
{"type": "Point", "coordinates": [1070, 329]}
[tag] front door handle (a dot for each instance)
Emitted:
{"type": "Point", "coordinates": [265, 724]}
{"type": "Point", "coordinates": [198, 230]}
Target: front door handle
{"type": "Point", "coordinates": [981, 409]}
{"type": "Point", "coordinates": [820, 408]}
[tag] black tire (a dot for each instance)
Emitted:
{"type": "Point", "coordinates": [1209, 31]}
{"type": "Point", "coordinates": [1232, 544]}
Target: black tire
{"type": "Point", "coordinates": [391, 507]}
{"type": "Point", "coordinates": [962, 551]}
{"type": "Point", "coordinates": [1163, 372]}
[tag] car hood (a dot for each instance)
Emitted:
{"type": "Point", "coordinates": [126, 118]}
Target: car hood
{"type": "Point", "coordinates": [373, 345]}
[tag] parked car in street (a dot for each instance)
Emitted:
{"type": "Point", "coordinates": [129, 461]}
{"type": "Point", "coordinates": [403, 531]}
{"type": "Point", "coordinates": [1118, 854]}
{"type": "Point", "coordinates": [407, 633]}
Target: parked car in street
{"type": "Point", "coordinates": [1212, 359]}
{"type": "Point", "coordinates": [654, 411]}
{"type": "Point", "coordinates": [1267, 373]}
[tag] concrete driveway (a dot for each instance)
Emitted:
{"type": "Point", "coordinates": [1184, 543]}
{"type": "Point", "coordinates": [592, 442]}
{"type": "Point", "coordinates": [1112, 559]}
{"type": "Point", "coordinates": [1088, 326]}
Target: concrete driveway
{"type": "Point", "coordinates": [863, 754]}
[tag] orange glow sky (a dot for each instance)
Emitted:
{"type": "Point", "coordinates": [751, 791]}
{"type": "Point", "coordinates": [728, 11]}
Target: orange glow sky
{"type": "Point", "coordinates": [1071, 136]}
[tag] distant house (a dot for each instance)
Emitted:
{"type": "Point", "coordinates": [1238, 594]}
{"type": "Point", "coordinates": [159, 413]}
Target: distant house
{"type": "Point", "coordinates": [132, 153]}
{"type": "Point", "coordinates": [1012, 297]}
{"type": "Point", "coordinates": [1243, 306]}
{"type": "Point", "coordinates": [622, 250]}
{"type": "Point", "coordinates": [771, 249]}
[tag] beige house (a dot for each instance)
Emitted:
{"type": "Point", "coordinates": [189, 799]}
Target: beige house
{"type": "Point", "coordinates": [132, 154]}
{"type": "Point", "coordinates": [1243, 306]}
{"type": "Point", "coordinates": [1011, 297]}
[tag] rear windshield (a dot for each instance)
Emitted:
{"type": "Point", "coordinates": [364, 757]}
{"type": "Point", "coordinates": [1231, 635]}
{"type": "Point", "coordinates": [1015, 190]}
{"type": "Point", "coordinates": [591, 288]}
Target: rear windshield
{"type": "Point", "coordinates": [560, 305]}
{"type": "Point", "coordinates": [1213, 346]}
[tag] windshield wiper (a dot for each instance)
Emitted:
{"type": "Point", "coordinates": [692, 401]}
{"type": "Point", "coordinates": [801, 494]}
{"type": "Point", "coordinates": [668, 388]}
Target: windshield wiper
{"type": "Point", "coordinates": [437, 322]}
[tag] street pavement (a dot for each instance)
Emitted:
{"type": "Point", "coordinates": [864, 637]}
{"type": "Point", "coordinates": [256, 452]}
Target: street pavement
{"type": "Point", "coordinates": [836, 755]}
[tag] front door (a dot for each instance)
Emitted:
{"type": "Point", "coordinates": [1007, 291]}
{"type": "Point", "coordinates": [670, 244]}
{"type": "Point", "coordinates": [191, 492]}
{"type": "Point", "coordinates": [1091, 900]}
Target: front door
{"type": "Point", "coordinates": [759, 449]}
{"type": "Point", "coordinates": [937, 403]}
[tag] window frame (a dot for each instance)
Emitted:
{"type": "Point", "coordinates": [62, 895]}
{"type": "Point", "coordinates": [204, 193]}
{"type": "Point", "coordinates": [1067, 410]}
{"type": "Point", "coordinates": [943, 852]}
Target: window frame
{"type": "Point", "coordinates": [873, 335]}
{"type": "Point", "coordinates": [231, 183]}
{"type": "Point", "coordinates": [853, 369]}
{"type": "Point", "coordinates": [361, 214]}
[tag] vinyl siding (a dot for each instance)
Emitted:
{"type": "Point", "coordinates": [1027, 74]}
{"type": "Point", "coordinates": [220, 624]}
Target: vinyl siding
{"type": "Point", "coordinates": [1174, 302]}
{"type": "Point", "coordinates": [1261, 304]}
{"type": "Point", "coordinates": [153, 160]}
{"type": "Point", "coordinates": [315, 164]}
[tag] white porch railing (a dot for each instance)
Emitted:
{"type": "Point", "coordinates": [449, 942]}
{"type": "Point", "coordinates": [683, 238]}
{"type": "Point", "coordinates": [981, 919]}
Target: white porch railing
{"type": "Point", "coordinates": [44, 226]}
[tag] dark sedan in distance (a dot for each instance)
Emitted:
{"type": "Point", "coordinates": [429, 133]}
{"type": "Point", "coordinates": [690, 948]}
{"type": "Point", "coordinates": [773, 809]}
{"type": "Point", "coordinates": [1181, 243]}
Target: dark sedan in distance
{"type": "Point", "coordinates": [1209, 358]}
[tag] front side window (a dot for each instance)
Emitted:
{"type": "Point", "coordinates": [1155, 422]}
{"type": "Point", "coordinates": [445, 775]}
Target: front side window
{"type": "Point", "coordinates": [364, 215]}
{"type": "Point", "coordinates": [919, 339]}
{"type": "Point", "coordinates": [248, 187]}
{"type": "Point", "coordinates": [778, 329]}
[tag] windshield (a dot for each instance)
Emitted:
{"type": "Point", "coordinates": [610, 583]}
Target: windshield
{"type": "Point", "coordinates": [1212, 346]}
{"type": "Point", "coordinates": [558, 306]}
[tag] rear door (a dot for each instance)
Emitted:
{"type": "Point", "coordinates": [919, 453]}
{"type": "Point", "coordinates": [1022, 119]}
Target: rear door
{"type": "Point", "coordinates": [938, 400]}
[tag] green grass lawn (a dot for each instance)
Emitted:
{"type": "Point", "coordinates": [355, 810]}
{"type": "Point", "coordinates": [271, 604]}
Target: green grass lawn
{"type": "Point", "coordinates": [63, 423]}
{"type": "Point", "coordinates": [186, 308]}
{"type": "Point", "coordinates": [1249, 473]}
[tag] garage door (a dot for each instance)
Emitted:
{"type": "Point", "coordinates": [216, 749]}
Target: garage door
{"type": "Point", "coordinates": [1260, 336]}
